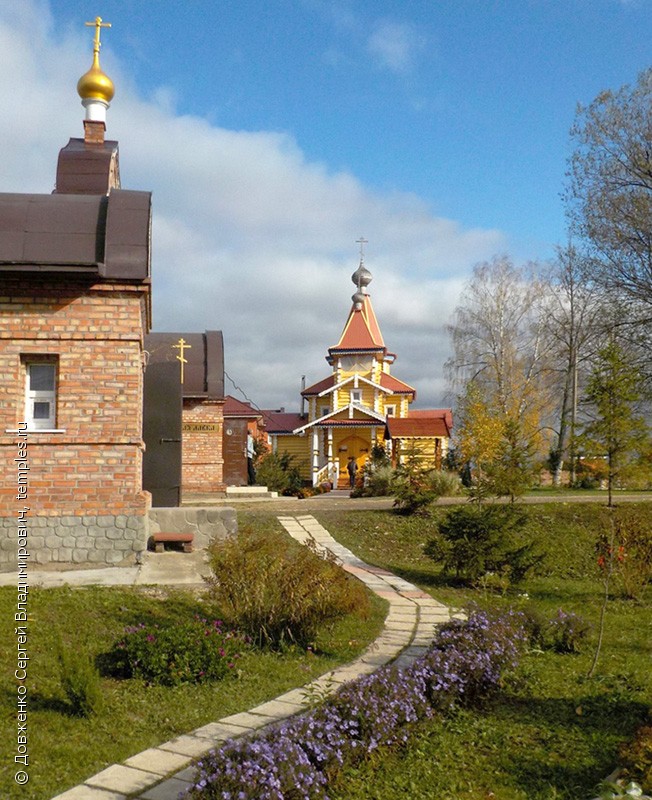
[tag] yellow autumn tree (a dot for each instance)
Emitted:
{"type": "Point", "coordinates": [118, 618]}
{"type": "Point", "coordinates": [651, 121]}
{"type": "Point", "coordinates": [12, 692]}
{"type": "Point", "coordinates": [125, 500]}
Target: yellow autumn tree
{"type": "Point", "coordinates": [479, 430]}
{"type": "Point", "coordinates": [502, 364]}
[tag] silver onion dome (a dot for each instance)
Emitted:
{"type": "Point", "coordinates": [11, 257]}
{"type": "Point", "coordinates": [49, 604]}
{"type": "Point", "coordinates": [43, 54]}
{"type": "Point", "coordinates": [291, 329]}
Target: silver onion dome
{"type": "Point", "coordinates": [362, 277]}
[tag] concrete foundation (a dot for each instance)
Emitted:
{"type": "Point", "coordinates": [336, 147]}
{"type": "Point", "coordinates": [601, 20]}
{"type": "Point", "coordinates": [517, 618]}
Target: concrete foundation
{"type": "Point", "coordinates": [206, 524]}
{"type": "Point", "coordinates": [106, 540]}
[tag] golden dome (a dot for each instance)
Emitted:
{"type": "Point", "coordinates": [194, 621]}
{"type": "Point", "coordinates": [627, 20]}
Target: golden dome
{"type": "Point", "coordinates": [95, 84]}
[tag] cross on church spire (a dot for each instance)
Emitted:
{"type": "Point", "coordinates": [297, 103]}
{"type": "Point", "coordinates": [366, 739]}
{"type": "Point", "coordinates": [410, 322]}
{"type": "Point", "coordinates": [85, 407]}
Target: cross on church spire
{"type": "Point", "coordinates": [95, 89]}
{"type": "Point", "coordinates": [98, 24]}
{"type": "Point", "coordinates": [362, 242]}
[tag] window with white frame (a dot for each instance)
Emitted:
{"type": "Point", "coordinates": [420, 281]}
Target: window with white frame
{"type": "Point", "coordinates": [359, 363]}
{"type": "Point", "coordinates": [356, 396]}
{"type": "Point", "coordinates": [390, 411]}
{"type": "Point", "coordinates": [324, 410]}
{"type": "Point", "coordinates": [41, 394]}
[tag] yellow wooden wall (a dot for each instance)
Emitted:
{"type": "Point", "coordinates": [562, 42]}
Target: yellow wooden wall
{"type": "Point", "coordinates": [426, 448]}
{"type": "Point", "coordinates": [300, 448]}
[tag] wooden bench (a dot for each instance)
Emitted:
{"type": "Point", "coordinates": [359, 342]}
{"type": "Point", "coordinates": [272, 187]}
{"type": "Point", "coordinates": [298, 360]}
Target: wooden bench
{"type": "Point", "coordinates": [159, 540]}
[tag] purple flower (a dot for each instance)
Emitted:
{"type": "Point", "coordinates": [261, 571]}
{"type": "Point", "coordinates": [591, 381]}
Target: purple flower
{"type": "Point", "coordinates": [294, 759]}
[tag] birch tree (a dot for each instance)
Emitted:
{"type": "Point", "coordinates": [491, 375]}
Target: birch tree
{"type": "Point", "coordinates": [610, 192]}
{"type": "Point", "coordinates": [572, 322]}
{"type": "Point", "coordinates": [501, 351]}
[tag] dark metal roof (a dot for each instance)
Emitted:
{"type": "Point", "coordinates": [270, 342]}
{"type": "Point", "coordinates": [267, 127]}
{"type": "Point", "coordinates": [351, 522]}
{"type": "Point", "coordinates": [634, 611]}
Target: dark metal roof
{"type": "Point", "coordinates": [87, 168]}
{"type": "Point", "coordinates": [282, 422]}
{"type": "Point", "coordinates": [105, 235]}
{"type": "Point", "coordinates": [204, 370]}
{"type": "Point", "coordinates": [320, 386]}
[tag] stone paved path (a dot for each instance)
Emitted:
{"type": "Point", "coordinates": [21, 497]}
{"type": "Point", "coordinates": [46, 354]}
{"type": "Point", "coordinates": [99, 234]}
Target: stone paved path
{"type": "Point", "coordinates": [162, 772]}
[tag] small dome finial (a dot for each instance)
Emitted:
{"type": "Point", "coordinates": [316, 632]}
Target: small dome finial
{"type": "Point", "coordinates": [95, 87]}
{"type": "Point", "coordinates": [362, 242]}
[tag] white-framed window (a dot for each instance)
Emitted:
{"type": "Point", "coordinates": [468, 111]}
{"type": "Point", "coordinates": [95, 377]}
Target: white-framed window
{"type": "Point", "coordinates": [324, 410]}
{"type": "Point", "coordinates": [356, 396]}
{"type": "Point", "coordinates": [41, 393]}
{"type": "Point", "coordinates": [390, 411]}
{"type": "Point", "coordinates": [359, 363]}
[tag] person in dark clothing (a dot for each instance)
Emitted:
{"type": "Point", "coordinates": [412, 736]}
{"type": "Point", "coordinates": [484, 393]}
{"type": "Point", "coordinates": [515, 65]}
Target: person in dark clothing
{"type": "Point", "coordinates": [352, 468]}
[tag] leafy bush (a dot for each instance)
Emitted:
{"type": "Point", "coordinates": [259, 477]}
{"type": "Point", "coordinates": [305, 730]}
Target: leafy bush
{"type": "Point", "coordinates": [297, 758]}
{"type": "Point", "coordinates": [377, 482]}
{"type": "Point", "coordinates": [535, 624]}
{"type": "Point", "coordinates": [474, 540]}
{"type": "Point", "coordinates": [414, 483]}
{"type": "Point", "coordinates": [590, 474]}
{"type": "Point", "coordinates": [626, 548]}
{"type": "Point", "coordinates": [279, 473]}
{"type": "Point", "coordinates": [567, 632]}
{"type": "Point", "coordinates": [278, 591]}
{"type": "Point", "coordinates": [80, 681]}
{"type": "Point", "coordinates": [445, 483]}
{"type": "Point", "coordinates": [192, 651]}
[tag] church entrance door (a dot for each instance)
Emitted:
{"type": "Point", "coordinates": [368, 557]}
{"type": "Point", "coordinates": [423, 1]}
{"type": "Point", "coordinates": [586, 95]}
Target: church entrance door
{"type": "Point", "coordinates": [354, 446]}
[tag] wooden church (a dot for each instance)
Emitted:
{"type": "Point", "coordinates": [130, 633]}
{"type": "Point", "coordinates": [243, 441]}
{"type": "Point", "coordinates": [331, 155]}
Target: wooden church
{"type": "Point", "coordinates": [359, 405]}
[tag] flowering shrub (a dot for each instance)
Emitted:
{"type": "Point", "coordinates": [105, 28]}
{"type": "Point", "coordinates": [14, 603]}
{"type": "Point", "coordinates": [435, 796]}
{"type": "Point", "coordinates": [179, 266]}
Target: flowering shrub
{"type": "Point", "coordinates": [194, 650]}
{"type": "Point", "coordinates": [296, 759]}
{"type": "Point", "coordinates": [568, 632]}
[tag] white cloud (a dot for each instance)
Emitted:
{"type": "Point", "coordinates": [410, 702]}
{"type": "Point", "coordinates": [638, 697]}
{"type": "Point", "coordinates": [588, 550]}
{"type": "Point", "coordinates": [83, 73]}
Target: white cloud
{"type": "Point", "coordinates": [249, 236]}
{"type": "Point", "coordinates": [395, 45]}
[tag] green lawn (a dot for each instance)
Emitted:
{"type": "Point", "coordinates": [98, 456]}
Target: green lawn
{"type": "Point", "coordinates": [555, 734]}
{"type": "Point", "coordinates": [552, 734]}
{"type": "Point", "coordinates": [64, 749]}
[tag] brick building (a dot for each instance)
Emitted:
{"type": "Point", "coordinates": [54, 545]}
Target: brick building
{"type": "Point", "coordinates": [240, 420]}
{"type": "Point", "coordinates": [74, 310]}
{"type": "Point", "coordinates": [196, 377]}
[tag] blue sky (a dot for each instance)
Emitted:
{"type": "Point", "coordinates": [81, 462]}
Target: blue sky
{"type": "Point", "coordinates": [274, 134]}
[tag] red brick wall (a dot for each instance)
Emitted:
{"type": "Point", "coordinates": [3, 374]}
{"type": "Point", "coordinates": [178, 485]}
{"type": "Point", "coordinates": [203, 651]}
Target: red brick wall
{"type": "Point", "coordinates": [202, 458]}
{"type": "Point", "coordinates": [96, 332]}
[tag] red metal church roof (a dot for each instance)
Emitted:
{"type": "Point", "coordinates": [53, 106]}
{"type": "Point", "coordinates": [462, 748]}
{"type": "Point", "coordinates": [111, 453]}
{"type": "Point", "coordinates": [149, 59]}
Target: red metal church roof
{"type": "Point", "coordinates": [395, 386]}
{"type": "Point", "coordinates": [426, 422]}
{"type": "Point", "coordinates": [361, 331]}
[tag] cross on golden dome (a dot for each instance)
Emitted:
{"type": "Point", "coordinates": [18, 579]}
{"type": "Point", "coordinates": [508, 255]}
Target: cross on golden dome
{"type": "Point", "coordinates": [99, 24]}
{"type": "Point", "coordinates": [94, 84]}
